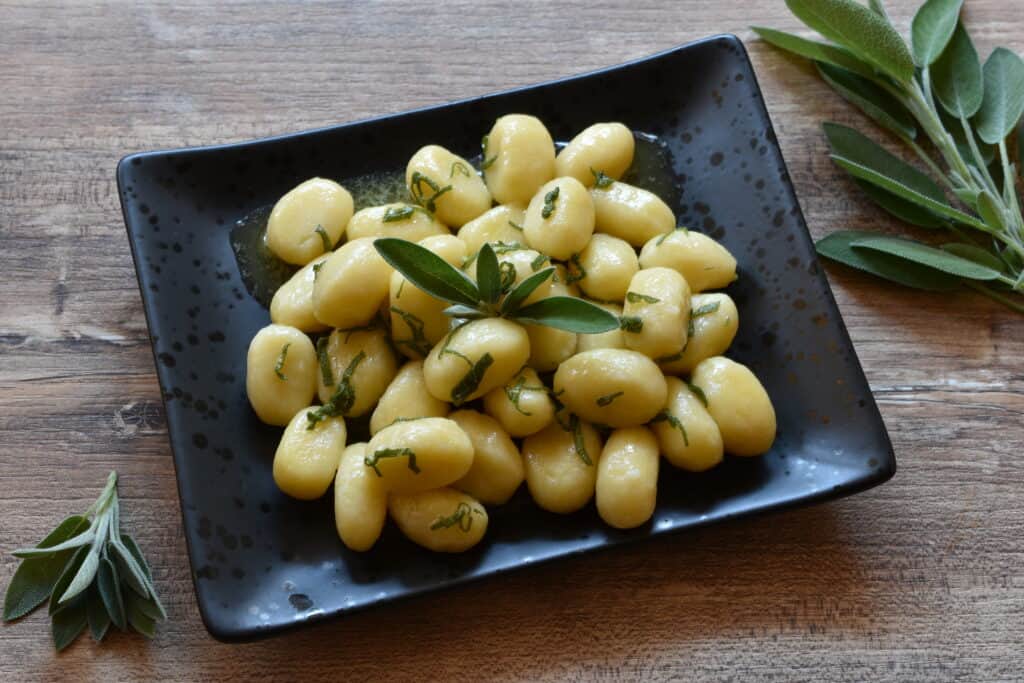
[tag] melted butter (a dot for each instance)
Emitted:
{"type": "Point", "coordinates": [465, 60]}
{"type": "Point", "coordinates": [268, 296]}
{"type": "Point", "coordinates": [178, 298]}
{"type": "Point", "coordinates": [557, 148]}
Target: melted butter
{"type": "Point", "coordinates": [262, 272]}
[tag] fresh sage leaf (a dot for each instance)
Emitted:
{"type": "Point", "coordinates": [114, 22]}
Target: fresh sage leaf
{"type": "Point", "coordinates": [1003, 101]}
{"type": "Point", "coordinates": [990, 210]}
{"type": "Point", "coordinates": [568, 313]}
{"type": "Point", "coordinates": [83, 577]}
{"type": "Point", "coordinates": [464, 312]}
{"type": "Point", "coordinates": [99, 620]}
{"type": "Point", "coordinates": [859, 30]}
{"type": "Point", "coordinates": [522, 291]}
{"type": "Point", "coordinates": [66, 576]}
{"type": "Point", "coordinates": [927, 256]}
{"type": "Point", "coordinates": [818, 52]}
{"type": "Point", "coordinates": [878, 8]}
{"type": "Point", "coordinates": [956, 76]}
{"type": "Point", "coordinates": [932, 28]}
{"type": "Point", "coordinates": [129, 570]}
{"type": "Point", "coordinates": [974, 253]}
{"type": "Point", "coordinates": [839, 247]}
{"type": "Point", "coordinates": [133, 548]}
{"type": "Point", "coordinates": [68, 624]}
{"type": "Point", "coordinates": [109, 588]}
{"type": "Point", "coordinates": [488, 278]}
{"type": "Point", "coordinates": [76, 542]}
{"type": "Point", "coordinates": [137, 618]}
{"type": "Point", "coordinates": [875, 102]}
{"type": "Point", "coordinates": [428, 271]}
{"type": "Point", "coordinates": [899, 207]}
{"type": "Point", "coordinates": [34, 580]}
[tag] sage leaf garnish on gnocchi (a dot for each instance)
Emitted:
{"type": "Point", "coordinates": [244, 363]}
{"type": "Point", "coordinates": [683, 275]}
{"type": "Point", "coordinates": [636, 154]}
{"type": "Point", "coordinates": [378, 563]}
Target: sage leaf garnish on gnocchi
{"type": "Point", "coordinates": [549, 203]}
{"type": "Point", "coordinates": [91, 572]}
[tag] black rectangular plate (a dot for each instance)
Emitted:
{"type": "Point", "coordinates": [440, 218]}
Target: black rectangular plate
{"type": "Point", "coordinates": [262, 562]}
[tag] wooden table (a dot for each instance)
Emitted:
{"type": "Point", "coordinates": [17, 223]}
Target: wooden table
{"type": "Point", "coordinates": [921, 579]}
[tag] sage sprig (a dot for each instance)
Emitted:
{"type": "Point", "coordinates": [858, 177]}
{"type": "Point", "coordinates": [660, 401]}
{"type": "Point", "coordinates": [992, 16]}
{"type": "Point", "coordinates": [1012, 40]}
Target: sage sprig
{"type": "Point", "coordinates": [956, 114]}
{"type": "Point", "coordinates": [92, 574]}
{"type": "Point", "coordinates": [492, 295]}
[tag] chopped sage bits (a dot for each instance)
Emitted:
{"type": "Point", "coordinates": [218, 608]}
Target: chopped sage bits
{"type": "Point", "coordinates": [670, 232]}
{"type": "Point", "coordinates": [343, 398]}
{"type": "Point", "coordinates": [485, 161]}
{"type": "Point", "coordinates": [515, 226]}
{"type": "Point", "coordinates": [418, 342]}
{"type": "Point", "coordinates": [316, 269]}
{"type": "Point", "coordinates": [325, 361]}
{"type": "Point", "coordinates": [462, 518]}
{"type": "Point", "coordinates": [601, 181]}
{"type": "Point", "coordinates": [705, 309]}
{"type": "Point", "coordinates": [539, 262]}
{"type": "Point", "coordinates": [514, 392]}
{"type": "Point", "coordinates": [279, 365]}
{"type": "Point", "coordinates": [549, 203]}
{"type": "Point", "coordinates": [471, 380]}
{"type": "Point", "coordinates": [372, 460]}
{"type": "Point", "coordinates": [637, 298]}
{"type": "Point", "coordinates": [459, 167]}
{"type": "Point", "coordinates": [324, 237]}
{"type": "Point", "coordinates": [607, 400]}
{"type": "Point", "coordinates": [416, 184]}
{"type": "Point", "coordinates": [699, 393]}
{"type": "Point", "coordinates": [576, 427]}
{"type": "Point", "coordinates": [401, 213]}
{"type": "Point", "coordinates": [673, 421]}
{"type": "Point", "coordinates": [631, 323]}
{"type": "Point", "coordinates": [91, 573]}
{"type": "Point", "coordinates": [575, 270]}
{"type": "Point", "coordinates": [507, 272]}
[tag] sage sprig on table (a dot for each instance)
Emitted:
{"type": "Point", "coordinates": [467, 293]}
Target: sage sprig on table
{"type": "Point", "coordinates": [955, 114]}
{"type": "Point", "coordinates": [494, 293]}
{"type": "Point", "coordinates": [92, 574]}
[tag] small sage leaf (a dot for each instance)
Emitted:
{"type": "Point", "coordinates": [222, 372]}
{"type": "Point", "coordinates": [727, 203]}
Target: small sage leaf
{"type": "Point", "coordinates": [1003, 101]}
{"type": "Point", "coordinates": [870, 99]}
{"type": "Point", "coordinates": [34, 580]}
{"type": "Point", "coordinates": [66, 576]}
{"type": "Point", "coordinates": [137, 618]}
{"type": "Point", "coordinates": [927, 256]}
{"type": "Point", "coordinates": [109, 587]}
{"type": "Point", "coordinates": [839, 247]}
{"type": "Point", "coordinates": [878, 8]}
{"type": "Point", "coordinates": [956, 76]}
{"type": "Point", "coordinates": [976, 254]}
{"type": "Point", "coordinates": [488, 277]}
{"type": "Point", "coordinates": [819, 52]}
{"type": "Point", "coordinates": [133, 548]}
{"type": "Point", "coordinates": [99, 619]}
{"type": "Point", "coordinates": [68, 624]}
{"type": "Point", "coordinates": [899, 207]}
{"type": "Point", "coordinates": [464, 312]}
{"type": "Point", "coordinates": [568, 313]}
{"type": "Point", "coordinates": [522, 291]}
{"type": "Point", "coordinates": [428, 271]}
{"type": "Point", "coordinates": [932, 28]}
{"type": "Point", "coordinates": [129, 570]}
{"type": "Point", "coordinates": [76, 542]}
{"type": "Point", "coordinates": [990, 211]}
{"type": "Point", "coordinates": [83, 577]}
{"type": "Point", "coordinates": [859, 30]}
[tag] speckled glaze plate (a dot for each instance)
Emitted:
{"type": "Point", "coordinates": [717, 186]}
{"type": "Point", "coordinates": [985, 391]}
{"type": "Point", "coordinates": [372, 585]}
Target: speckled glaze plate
{"type": "Point", "coordinates": [262, 562]}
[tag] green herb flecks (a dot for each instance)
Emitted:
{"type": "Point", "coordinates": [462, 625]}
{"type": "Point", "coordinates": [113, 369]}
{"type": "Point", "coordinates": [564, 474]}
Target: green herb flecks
{"type": "Point", "coordinates": [384, 453]}
{"type": "Point", "coordinates": [578, 442]}
{"type": "Point", "coordinates": [279, 365]}
{"type": "Point", "coordinates": [459, 167]}
{"type": "Point", "coordinates": [515, 226]}
{"type": "Point", "coordinates": [607, 400]}
{"type": "Point", "coordinates": [549, 203]}
{"type": "Point", "coordinates": [673, 421]}
{"type": "Point", "coordinates": [514, 393]}
{"type": "Point", "coordinates": [446, 348]}
{"type": "Point", "coordinates": [666, 235]}
{"type": "Point", "coordinates": [699, 393]}
{"type": "Point", "coordinates": [343, 398]}
{"type": "Point", "coordinates": [575, 270]}
{"type": "Point", "coordinates": [700, 312]}
{"type": "Point", "coordinates": [416, 184]}
{"type": "Point", "coordinates": [507, 272]}
{"type": "Point", "coordinates": [471, 380]}
{"type": "Point", "coordinates": [316, 269]}
{"type": "Point", "coordinates": [462, 518]}
{"type": "Point", "coordinates": [92, 574]}
{"type": "Point", "coordinates": [418, 342]}
{"type": "Point", "coordinates": [637, 298]}
{"type": "Point", "coordinates": [326, 373]}
{"type": "Point", "coordinates": [601, 181]}
{"type": "Point", "coordinates": [486, 161]}
{"type": "Point", "coordinates": [403, 212]}
{"type": "Point", "coordinates": [324, 237]}
{"type": "Point", "coordinates": [539, 262]}
{"type": "Point", "coordinates": [631, 323]}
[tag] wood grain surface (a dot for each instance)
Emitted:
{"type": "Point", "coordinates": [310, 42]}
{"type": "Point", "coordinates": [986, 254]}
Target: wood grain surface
{"type": "Point", "coordinates": [921, 579]}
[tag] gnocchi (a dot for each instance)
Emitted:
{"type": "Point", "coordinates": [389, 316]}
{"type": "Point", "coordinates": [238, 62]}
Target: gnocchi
{"type": "Point", "coordinates": [501, 225]}
{"type": "Point", "coordinates": [419, 455]}
{"type": "Point", "coordinates": [360, 501]}
{"type": "Point", "coordinates": [443, 520]}
{"type": "Point", "coordinates": [523, 406]}
{"type": "Point", "coordinates": [738, 403]}
{"type": "Point", "coordinates": [280, 373]}
{"type": "Point", "coordinates": [614, 387]}
{"type": "Point", "coordinates": [689, 437]}
{"type": "Point", "coordinates": [630, 213]}
{"type": "Point", "coordinates": [407, 221]}
{"type": "Point", "coordinates": [704, 263]}
{"type": "Point", "coordinates": [559, 466]}
{"type": "Point", "coordinates": [475, 358]}
{"type": "Point", "coordinates": [356, 367]}
{"type": "Point", "coordinates": [559, 221]}
{"type": "Point", "coordinates": [308, 221]}
{"type": "Point", "coordinates": [656, 312]}
{"type": "Point", "coordinates": [605, 268]}
{"type": "Point", "coordinates": [293, 301]}
{"type": "Point", "coordinates": [518, 157]}
{"type": "Point", "coordinates": [406, 398]}
{"type": "Point", "coordinates": [446, 184]}
{"type": "Point", "coordinates": [307, 455]}
{"type": "Point", "coordinates": [627, 478]}
{"type": "Point", "coordinates": [497, 469]}
{"type": "Point", "coordinates": [350, 285]}
{"type": "Point", "coordinates": [603, 147]}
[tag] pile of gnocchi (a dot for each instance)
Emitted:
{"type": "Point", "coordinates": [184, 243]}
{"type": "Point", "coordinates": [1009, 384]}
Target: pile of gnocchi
{"type": "Point", "coordinates": [577, 416]}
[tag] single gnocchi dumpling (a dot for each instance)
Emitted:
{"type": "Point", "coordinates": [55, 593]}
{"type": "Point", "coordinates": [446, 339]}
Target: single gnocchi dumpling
{"type": "Point", "coordinates": [630, 213]}
{"type": "Point", "coordinates": [614, 387]}
{"type": "Point", "coordinates": [419, 455]}
{"type": "Point", "coordinates": [417, 318]}
{"type": "Point", "coordinates": [497, 469]}
{"type": "Point", "coordinates": [518, 157]}
{"type": "Point", "coordinates": [360, 501]}
{"type": "Point", "coordinates": [356, 367]}
{"type": "Point", "coordinates": [443, 520]}
{"type": "Point", "coordinates": [406, 398]}
{"type": "Point", "coordinates": [603, 147]}
{"type": "Point", "coordinates": [475, 358]}
{"type": "Point", "coordinates": [307, 455]}
{"type": "Point", "coordinates": [501, 225]}
{"type": "Point", "coordinates": [560, 218]}
{"type": "Point", "coordinates": [612, 339]}
{"type": "Point", "coordinates": [704, 263]}
{"type": "Point", "coordinates": [447, 185]}
{"type": "Point", "coordinates": [627, 478]}
{"type": "Point", "coordinates": [560, 466]}
{"type": "Point", "coordinates": [688, 436]}
{"type": "Point", "coordinates": [293, 301]}
{"type": "Point", "coordinates": [738, 403]}
{"type": "Point", "coordinates": [280, 373]}
{"type": "Point", "coordinates": [714, 321]}
{"type": "Point", "coordinates": [523, 406]}
{"type": "Point", "coordinates": [351, 285]}
{"type": "Point", "coordinates": [308, 220]}
{"type": "Point", "coordinates": [549, 346]}
{"type": "Point", "coordinates": [604, 268]}
{"type": "Point", "coordinates": [656, 313]}
{"type": "Point", "coordinates": [404, 221]}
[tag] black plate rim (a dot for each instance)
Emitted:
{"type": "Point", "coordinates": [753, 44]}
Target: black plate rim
{"type": "Point", "coordinates": [887, 460]}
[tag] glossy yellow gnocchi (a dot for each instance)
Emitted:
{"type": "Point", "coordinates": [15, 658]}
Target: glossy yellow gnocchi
{"type": "Point", "coordinates": [497, 469]}
{"type": "Point", "coordinates": [406, 221]}
{"type": "Point", "coordinates": [656, 312]}
{"type": "Point", "coordinates": [360, 501]}
{"type": "Point", "coordinates": [293, 301]}
{"type": "Point", "coordinates": [523, 406]}
{"type": "Point", "coordinates": [406, 398]}
{"type": "Point", "coordinates": [351, 285]}
{"type": "Point", "coordinates": [627, 478]}
{"type": "Point", "coordinates": [714, 321]}
{"type": "Point", "coordinates": [704, 263]}
{"type": "Point", "coordinates": [308, 221]}
{"type": "Point", "coordinates": [355, 368]}
{"type": "Point", "coordinates": [738, 403]}
{"type": "Point", "coordinates": [419, 455]}
{"type": "Point", "coordinates": [559, 220]}
{"type": "Point", "coordinates": [561, 466]}
{"type": "Point", "coordinates": [604, 147]}
{"type": "Point", "coordinates": [280, 373]}
{"type": "Point", "coordinates": [604, 268]}
{"type": "Point", "coordinates": [308, 454]}
{"type": "Point", "coordinates": [518, 157]}
{"type": "Point", "coordinates": [613, 387]}
{"type": "Point", "coordinates": [612, 339]}
{"type": "Point", "coordinates": [630, 213]}
{"type": "Point", "coordinates": [443, 520]}
{"type": "Point", "coordinates": [475, 358]}
{"type": "Point", "coordinates": [687, 434]}
{"type": "Point", "coordinates": [503, 224]}
{"type": "Point", "coordinates": [446, 184]}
